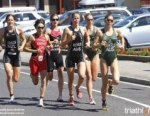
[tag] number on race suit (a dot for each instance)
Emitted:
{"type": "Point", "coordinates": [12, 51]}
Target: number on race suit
{"type": "Point", "coordinates": [40, 58]}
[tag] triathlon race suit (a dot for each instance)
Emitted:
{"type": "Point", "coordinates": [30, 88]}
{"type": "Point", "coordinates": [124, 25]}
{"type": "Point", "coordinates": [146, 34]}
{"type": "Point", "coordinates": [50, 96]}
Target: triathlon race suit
{"type": "Point", "coordinates": [75, 49]}
{"type": "Point", "coordinates": [90, 53]}
{"type": "Point", "coordinates": [12, 42]}
{"type": "Point", "coordinates": [38, 60]}
{"type": "Point", "coordinates": [109, 52]}
{"type": "Point", "coordinates": [54, 55]}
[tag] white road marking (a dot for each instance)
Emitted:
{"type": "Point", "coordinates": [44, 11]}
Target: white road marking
{"type": "Point", "coordinates": [116, 96]}
{"type": "Point", "coordinates": [94, 90]}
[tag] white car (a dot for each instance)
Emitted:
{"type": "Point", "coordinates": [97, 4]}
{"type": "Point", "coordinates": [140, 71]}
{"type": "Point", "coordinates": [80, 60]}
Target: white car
{"type": "Point", "coordinates": [136, 30]}
{"type": "Point", "coordinates": [29, 30]}
{"type": "Point", "coordinates": [22, 18]}
{"type": "Point", "coordinates": [65, 19]}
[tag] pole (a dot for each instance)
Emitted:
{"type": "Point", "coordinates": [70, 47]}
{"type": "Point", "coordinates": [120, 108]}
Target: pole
{"type": "Point", "coordinates": [9, 3]}
{"type": "Point", "coordinates": [60, 6]}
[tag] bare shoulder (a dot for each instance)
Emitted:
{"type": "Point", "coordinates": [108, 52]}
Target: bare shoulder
{"type": "Point", "coordinates": [46, 36]}
{"type": "Point", "coordinates": [66, 30]}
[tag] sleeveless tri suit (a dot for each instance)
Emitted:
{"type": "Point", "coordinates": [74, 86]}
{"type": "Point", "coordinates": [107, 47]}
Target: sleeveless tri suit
{"type": "Point", "coordinates": [109, 52]}
{"type": "Point", "coordinates": [12, 42]}
{"type": "Point", "coordinates": [75, 49]}
{"type": "Point", "coordinates": [38, 60]}
{"type": "Point", "coordinates": [54, 55]}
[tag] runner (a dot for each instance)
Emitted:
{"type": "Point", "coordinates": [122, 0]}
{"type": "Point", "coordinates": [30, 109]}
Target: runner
{"type": "Point", "coordinates": [74, 36]}
{"type": "Point", "coordinates": [55, 55]}
{"type": "Point", "coordinates": [38, 43]}
{"type": "Point", "coordinates": [12, 58]}
{"type": "Point", "coordinates": [91, 56]}
{"type": "Point", "coordinates": [108, 57]}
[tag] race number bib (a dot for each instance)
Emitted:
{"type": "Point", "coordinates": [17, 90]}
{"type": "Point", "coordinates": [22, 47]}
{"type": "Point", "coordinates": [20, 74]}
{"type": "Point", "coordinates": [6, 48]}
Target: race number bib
{"type": "Point", "coordinates": [40, 58]}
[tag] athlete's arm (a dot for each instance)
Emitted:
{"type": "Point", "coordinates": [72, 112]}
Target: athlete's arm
{"type": "Point", "coordinates": [98, 36]}
{"type": "Point", "coordinates": [120, 36]}
{"type": "Point", "coordinates": [27, 47]}
{"type": "Point", "coordinates": [1, 38]}
{"type": "Point", "coordinates": [65, 37]}
{"type": "Point", "coordinates": [22, 36]}
{"type": "Point", "coordinates": [48, 41]}
{"type": "Point", "coordinates": [98, 40]}
{"type": "Point", "coordinates": [86, 37]}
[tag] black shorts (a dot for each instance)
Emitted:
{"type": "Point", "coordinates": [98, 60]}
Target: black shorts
{"type": "Point", "coordinates": [54, 58]}
{"type": "Point", "coordinates": [14, 60]}
{"type": "Point", "coordinates": [70, 61]}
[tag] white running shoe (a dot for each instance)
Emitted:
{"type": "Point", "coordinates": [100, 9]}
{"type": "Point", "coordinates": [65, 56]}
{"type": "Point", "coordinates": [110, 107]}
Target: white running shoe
{"type": "Point", "coordinates": [92, 102]}
{"type": "Point", "coordinates": [11, 100]}
{"type": "Point", "coordinates": [40, 104]}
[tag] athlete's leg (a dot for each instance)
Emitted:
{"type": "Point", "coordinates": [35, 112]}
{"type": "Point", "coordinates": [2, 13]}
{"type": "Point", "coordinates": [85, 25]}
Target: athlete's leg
{"type": "Point", "coordinates": [81, 73]}
{"type": "Point", "coordinates": [104, 73]}
{"type": "Point", "coordinates": [34, 67]}
{"type": "Point", "coordinates": [16, 74]}
{"type": "Point", "coordinates": [115, 72]}
{"type": "Point", "coordinates": [43, 83]}
{"type": "Point", "coordinates": [60, 80]}
{"type": "Point", "coordinates": [95, 67]}
{"type": "Point", "coordinates": [9, 73]}
{"type": "Point", "coordinates": [89, 76]}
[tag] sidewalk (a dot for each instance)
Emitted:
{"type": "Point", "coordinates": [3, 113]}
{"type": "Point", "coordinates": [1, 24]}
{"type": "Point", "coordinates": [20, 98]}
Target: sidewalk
{"type": "Point", "coordinates": [130, 71]}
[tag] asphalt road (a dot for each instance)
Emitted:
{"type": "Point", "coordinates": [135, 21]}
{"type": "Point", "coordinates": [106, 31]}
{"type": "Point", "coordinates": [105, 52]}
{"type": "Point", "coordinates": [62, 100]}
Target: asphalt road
{"type": "Point", "coordinates": [127, 100]}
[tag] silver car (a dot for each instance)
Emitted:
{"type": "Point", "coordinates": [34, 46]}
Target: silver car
{"type": "Point", "coordinates": [136, 30]}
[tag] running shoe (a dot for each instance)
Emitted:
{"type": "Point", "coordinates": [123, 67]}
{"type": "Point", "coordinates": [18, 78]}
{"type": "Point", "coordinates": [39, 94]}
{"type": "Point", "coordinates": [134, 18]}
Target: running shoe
{"type": "Point", "coordinates": [71, 100]}
{"type": "Point", "coordinates": [110, 89]}
{"type": "Point", "coordinates": [104, 106]}
{"type": "Point", "coordinates": [11, 100]}
{"type": "Point", "coordinates": [79, 93]}
{"type": "Point", "coordinates": [40, 104]}
{"type": "Point", "coordinates": [92, 102]}
{"type": "Point", "coordinates": [60, 99]}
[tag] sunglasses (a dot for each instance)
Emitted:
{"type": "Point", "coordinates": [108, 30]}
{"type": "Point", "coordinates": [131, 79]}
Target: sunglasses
{"type": "Point", "coordinates": [109, 20]}
{"type": "Point", "coordinates": [89, 19]}
{"type": "Point", "coordinates": [54, 19]}
{"type": "Point", "coordinates": [40, 27]}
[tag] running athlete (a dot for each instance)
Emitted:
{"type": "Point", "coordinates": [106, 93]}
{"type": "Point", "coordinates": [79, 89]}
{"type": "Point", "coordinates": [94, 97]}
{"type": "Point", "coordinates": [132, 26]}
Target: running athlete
{"type": "Point", "coordinates": [12, 59]}
{"type": "Point", "coordinates": [74, 36]}
{"type": "Point", "coordinates": [91, 56]}
{"type": "Point", "coordinates": [54, 54]}
{"type": "Point", "coordinates": [36, 44]}
{"type": "Point", "coordinates": [108, 56]}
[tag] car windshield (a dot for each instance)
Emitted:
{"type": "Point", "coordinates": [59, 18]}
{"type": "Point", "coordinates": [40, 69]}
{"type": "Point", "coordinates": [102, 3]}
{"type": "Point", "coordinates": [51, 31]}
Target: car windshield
{"type": "Point", "coordinates": [44, 15]}
{"type": "Point", "coordinates": [125, 21]}
{"type": "Point", "coordinates": [3, 16]}
{"type": "Point", "coordinates": [2, 13]}
{"type": "Point", "coordinates": [65, 19]}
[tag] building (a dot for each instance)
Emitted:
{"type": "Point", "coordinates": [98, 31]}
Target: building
{"type": "Point", "coordinates": [52, 6]}
{"type": "Point", "coordinates": [59, 6]}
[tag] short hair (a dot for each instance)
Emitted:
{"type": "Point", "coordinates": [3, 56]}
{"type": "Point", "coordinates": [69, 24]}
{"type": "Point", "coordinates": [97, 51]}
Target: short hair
{"type": "Point", "coordinates": [39, 21]}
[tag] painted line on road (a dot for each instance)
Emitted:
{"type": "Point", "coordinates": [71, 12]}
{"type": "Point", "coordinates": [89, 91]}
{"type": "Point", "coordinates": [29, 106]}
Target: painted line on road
{"type": "Point", "coordinates": [116, 96]}
{"type": "Point", "coordinates": [113, 95]}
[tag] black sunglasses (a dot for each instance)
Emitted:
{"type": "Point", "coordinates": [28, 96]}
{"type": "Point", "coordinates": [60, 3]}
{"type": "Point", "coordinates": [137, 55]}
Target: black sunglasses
{"type": "Point", "coordinates": [109, 20]}
{"type": "Point", "coordinates": [54, 19]}
{"type": "Point", "coordinates": [89, 19]}
{"type": "Point", "coordinates": [40, 27]}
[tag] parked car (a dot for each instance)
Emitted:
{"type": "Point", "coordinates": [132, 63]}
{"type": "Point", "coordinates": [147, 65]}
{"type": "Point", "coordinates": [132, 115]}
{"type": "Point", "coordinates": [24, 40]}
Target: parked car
{"type": "Point", "coordinates": [29, 30]}
{"type": "Point", "coordinates": [99, 22]}
{"type": "Point", "coordinates": [136, 30]}
{"type": "Point", "coordinates": [146, 8]}
{"type": "Point", "coordinates": [22, 18]}
{"type": "Point", "coordinates": [65, 18]}
{"type": "Point", "coordinates": [15, 9]}
{"type": "Point", "coordinates": [139, 11]}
